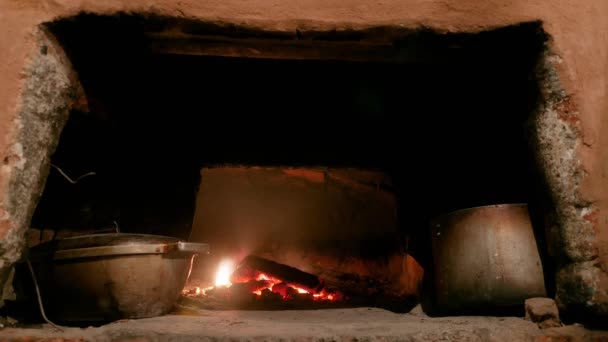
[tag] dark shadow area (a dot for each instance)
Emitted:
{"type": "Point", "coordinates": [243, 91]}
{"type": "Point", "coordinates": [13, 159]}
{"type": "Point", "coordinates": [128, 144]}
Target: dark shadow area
{"type": "Point", "coordinates": [446, 123]}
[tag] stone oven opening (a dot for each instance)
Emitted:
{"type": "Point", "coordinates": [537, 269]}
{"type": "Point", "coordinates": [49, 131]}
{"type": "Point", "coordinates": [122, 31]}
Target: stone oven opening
{"type": "Point", "coordinates": [327, 151]}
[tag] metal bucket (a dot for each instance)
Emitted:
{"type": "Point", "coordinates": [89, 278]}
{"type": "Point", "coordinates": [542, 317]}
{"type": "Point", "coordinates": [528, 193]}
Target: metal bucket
{"type": "Point", "coordinates": [485, 257]}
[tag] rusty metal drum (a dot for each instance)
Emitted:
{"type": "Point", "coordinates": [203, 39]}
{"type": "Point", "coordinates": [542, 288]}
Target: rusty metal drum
{"type": "Point", "coordinates": [485, 257]}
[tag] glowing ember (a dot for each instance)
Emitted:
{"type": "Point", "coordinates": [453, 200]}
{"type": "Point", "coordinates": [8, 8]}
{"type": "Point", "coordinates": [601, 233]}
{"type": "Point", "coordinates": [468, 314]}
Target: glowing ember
{"type": "Point", "coordinates": [287, 291]}
{"type": "Point", "coordinates": [225, 269]}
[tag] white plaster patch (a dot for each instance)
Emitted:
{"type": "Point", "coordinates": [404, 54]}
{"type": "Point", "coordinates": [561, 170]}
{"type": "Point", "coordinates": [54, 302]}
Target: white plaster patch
{"type": "Point", "coordinates": [555, 59]}
{"type": "Point", "coordinates": [586, 211]}
{"type": "Point", "coordinates": [4, 215]}
{"type": "Point", "coordinates": [17, 151]}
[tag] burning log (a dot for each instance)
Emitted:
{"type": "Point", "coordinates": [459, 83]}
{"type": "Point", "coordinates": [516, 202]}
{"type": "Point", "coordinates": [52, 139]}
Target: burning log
{"type": "Point", "coordinates": [265, 284]}
{"type": "Point", "coordinates": [252, 286]}
{"type": "Point", "coordinates": [252, 266]}
{"type": "Point", "coordinates": [391, 282]}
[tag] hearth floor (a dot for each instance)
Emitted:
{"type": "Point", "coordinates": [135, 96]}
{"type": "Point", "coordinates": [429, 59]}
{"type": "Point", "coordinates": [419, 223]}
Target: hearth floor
{"type": "Point", "coordinates": [358, 324]}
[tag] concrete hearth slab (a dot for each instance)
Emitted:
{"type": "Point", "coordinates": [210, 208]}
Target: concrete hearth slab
{"type": "Point", "coordinates": [311, 325]}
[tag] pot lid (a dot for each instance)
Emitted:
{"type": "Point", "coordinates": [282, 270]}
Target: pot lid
{"type": "Point", "coordinates": [112, 244]}
{"type": "Point", "coordinates": [98, 240]}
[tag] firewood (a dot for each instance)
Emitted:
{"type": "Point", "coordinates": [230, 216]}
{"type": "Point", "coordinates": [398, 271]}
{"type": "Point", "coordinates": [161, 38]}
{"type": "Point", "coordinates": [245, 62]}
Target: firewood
{"type": "Point", "coordinates": [287, 274]}
{"type": "Point", "coordinates": [250, 286]}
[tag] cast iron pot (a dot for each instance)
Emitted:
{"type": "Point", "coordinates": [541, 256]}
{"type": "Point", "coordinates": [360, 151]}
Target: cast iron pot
{"type": "Point", "coordinates": [107, 277]}
{"type": "Point", "coordinates": [485, 258]}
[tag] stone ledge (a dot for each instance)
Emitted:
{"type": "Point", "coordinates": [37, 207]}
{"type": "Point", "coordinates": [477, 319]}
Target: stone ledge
{"type": "Point", "coordinates": [361, 324]}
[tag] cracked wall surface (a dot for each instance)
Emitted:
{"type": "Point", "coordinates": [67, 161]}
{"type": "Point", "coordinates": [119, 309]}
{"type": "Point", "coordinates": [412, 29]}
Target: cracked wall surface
{"type": "Point", "coordinates": [571, 130]}
{"type": "Point", "coordinates": [581, 282]}
{"type": "Point", "coordinates": [50, 89]}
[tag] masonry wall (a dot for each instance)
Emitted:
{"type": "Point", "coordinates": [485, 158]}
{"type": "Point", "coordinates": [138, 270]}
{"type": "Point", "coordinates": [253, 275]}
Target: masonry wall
{"type": "Point", "coordinates": [242, 210]}
{"type": "Point", "coordinates": [577, 101]}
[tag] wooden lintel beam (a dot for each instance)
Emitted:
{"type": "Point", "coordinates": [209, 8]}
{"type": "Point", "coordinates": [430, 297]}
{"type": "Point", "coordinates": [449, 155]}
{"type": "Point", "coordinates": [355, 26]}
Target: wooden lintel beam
{"type": "Point", "coordinates": [280, 49]}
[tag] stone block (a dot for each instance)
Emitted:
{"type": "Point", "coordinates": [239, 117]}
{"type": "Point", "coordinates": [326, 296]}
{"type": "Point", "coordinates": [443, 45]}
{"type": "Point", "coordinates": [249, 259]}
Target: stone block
{"type": "Point", "coordinates": [542, 311]}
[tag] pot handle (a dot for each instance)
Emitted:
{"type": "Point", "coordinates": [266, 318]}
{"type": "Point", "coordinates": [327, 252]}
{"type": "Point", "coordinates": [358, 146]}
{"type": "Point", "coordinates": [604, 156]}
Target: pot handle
{"type": "Point", "coordinates": [193, 247]}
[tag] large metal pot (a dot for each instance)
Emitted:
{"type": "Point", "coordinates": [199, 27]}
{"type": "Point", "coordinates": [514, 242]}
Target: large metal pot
{"type": "Point", "coordinates": [485, 257]}
{"type": "Point", "coordinates": [112, 276]}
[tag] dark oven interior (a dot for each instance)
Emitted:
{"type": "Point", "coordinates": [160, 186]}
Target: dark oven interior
{"type": "Point", "coordinates": [373, 133]}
